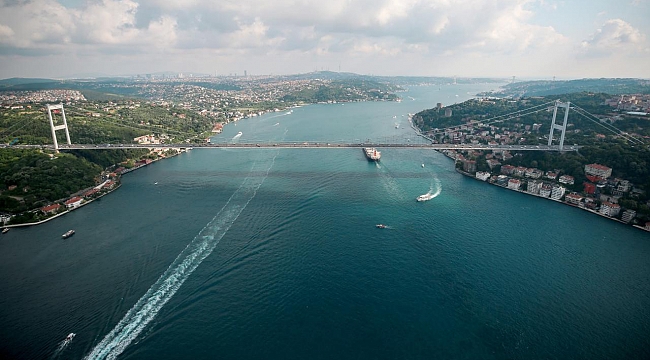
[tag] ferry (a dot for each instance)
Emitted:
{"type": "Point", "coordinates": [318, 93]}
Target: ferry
{"type": "Point", "coordinates": [424, 197]}
{"type": "Point", "coordinates": [372, 154]}
{"type": "Point", "coordinates": [68, 234]}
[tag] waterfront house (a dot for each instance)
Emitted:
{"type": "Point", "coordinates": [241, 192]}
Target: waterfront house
{"type": "Point", "coordinates": [573, 199]}
{"type": "Point", "coordinates": [50, 209]}
{"type": "Point", "coordinates": [557, 192]}
{"type": "Point", "coordinates": [74, 202]}
{"type": "Point", "coordinates": [545, 190]}
{"type": "Point", "coordinates": [628, 215]}
{"type": "Point", "coordinates": [514, 184]}
{"type": "Point", "coordinates": [609, 209]}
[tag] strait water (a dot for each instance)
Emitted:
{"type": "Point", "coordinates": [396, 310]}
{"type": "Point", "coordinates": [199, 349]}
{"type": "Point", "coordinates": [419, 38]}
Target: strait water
{"type": "Point", "coordinates": [274, 254]}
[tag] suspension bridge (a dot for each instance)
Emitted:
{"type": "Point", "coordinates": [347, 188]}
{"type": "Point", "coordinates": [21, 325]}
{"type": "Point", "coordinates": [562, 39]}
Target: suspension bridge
{"type": "Point", "coordinates": [418, 140]}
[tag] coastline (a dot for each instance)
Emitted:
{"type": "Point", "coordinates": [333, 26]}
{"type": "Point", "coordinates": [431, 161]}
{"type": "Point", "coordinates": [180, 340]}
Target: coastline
{"type": "Point", "coordinates": [119, 184]}
{"type": "Point", "coordinates": [548, 198]}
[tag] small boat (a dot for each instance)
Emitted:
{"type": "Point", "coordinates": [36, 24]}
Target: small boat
{"type": "Point", "coordinates": [4, 231]}
{"type": "Point", "coordinates": [424, 197]}
{"type": "Point", "coordinates": [381, 226]}
{"type": "Point", "coordinates": [422, 165]}
{"type": "Point", "coordinates": [70, 337]}
{"type": "Point", "coordinates": [239, 134]}
{"type": "Point", "coordinates": [68, 234]}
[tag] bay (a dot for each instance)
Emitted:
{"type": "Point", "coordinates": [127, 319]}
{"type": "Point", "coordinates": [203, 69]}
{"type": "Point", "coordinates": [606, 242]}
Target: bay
{"type": "Point", "coordinates": [298, 270]}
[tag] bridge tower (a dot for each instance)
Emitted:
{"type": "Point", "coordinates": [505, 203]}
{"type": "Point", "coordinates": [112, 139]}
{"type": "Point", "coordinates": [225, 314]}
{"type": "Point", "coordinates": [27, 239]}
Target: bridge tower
{"type": "Point", "coordinates": [562, 127]}
{"type": "Point", "coordinates": [51, 108]}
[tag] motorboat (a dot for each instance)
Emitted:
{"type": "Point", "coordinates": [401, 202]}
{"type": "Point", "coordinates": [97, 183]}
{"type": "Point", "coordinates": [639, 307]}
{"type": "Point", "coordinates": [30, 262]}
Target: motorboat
{"type": "Point", "coordinates": [381, 226]}
{"type": "Point", "coordinates": [424, 197]}
{"type": "Point", "coordinates": [4, 231]}
{"type": "Point", "coordinates": [70, 337]}
{"type": "Point", "coordinates": [68, 234]}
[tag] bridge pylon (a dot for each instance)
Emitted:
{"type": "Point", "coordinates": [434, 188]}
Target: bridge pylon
{"type": "Point", "coordinates": [51, 108]}
{"type": "Point", "coordinates": [555, 126]}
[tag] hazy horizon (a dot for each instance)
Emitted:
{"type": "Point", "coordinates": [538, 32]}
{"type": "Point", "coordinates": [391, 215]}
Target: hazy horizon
{"type": "Point", "coordinates": [529, 39]}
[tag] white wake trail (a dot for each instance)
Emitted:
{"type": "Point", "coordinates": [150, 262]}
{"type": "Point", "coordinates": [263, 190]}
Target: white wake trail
{"type": "Point", "coordinates": [146, 309]}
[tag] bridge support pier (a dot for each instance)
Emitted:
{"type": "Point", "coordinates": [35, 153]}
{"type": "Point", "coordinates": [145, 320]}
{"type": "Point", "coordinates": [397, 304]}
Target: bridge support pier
{"type": "Point", "coordinates": [51, 108]}
{"type": "Point", "coordinates": [562, 127]}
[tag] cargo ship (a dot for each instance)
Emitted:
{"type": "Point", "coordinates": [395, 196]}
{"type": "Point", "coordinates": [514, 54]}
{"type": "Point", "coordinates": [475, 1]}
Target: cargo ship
{"type": "Point", "coordinates": [372, 154]}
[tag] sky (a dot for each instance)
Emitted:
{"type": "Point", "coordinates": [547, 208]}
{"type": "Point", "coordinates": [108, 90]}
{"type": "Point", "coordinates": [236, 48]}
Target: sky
{"type": "Point", "coordinates": [534, 39]}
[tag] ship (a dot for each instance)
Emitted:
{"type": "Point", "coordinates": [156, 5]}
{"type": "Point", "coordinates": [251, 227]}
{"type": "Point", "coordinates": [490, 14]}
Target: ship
{"type": "Point", "coordinates": [68, 234]}
{"type": "Point", "coordinates": [424, 197]}
{"type": "Point", "coordinates": [381, 226]}
{"type": "Point", "coordinates": [372, 154]}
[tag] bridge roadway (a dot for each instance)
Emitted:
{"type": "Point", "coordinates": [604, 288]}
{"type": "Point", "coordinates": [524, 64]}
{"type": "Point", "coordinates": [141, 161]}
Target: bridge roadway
{"type": "Point", "coordinates": [304, 144]}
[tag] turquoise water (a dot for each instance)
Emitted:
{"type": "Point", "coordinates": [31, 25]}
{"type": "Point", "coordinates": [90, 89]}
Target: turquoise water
{"type": "Point", "coordinates": [273, 253]}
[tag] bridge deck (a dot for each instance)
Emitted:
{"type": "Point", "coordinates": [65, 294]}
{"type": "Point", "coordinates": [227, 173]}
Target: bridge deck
{"type": "Point", "coordinates": [302, 145]}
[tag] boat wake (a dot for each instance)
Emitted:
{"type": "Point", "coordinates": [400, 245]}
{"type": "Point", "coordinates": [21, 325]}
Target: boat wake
{"type": "Point", "coordinates": [148, 306]}
{"type": "Point", "coordinates": [435, 189]}
{"type": "Point", "coordinates": [236, 137]}
{"type": "Point", "coordinates": [62, 345]}
{"type": "Point", "coordinates": [389, 183]}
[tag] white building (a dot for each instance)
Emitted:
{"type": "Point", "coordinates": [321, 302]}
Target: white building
{"type": "Point", "coordinates": [628, 215]}
{"type": "Point", "coordinates": [482, 175]}
{"type": "Point", "coordinates": [534, 187]}
{"type": "Point", "coordinates": [609, 209]}
{"type": "Point", "coordinates": [557, 192]}
{"type": "Point", "coordinates": [598, 170]}
{"type": "Point", "coordinates": [567, 179]}
{"type": "Point", "coordinates": [514, 184]}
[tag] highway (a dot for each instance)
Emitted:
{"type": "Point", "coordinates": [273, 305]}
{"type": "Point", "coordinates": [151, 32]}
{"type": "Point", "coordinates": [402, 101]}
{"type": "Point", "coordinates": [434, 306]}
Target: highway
{"type": "Point", "coordinates": [301, 145]}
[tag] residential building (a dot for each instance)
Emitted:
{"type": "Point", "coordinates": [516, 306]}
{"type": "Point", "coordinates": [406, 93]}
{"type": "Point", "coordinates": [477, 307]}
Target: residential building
{"type": "Point", "coordinates": [589, 188]}
{"type": "Point", "coordinates": [534, 173]}
{"type": "Point", "coordinates": [567, 179]}
{"type": "Point", "coordinates": [74, 202]}
{"type": "Point", "coordinates": [551, 175]}
{"type": "Point", "coordinates": [557, 192]}
{"type": "Point", "coordinates": [609, 209]}
{"type": "Point", "coordinates": [545, 190]}
{"type": "Point", "coordinates": [598, 170]}
{"type": "Point", "coordinates": [628, 215]}
{"type": "Point", "coordinates": [507, 169]}
{"type": "Point", "coordinates": [520, 171]}
{"type": "Point", "coordinates": [534, 187]}
{"type": "Point", "coordinates": [573, 199]}
{"type": "Point", "coordinates": [482, 175]}
{"type": "Point", "coordinates": [514, 184]}
{"type": "Point", "coordinates": [50, 209]}
{"type": "Point", "coordinates": [469, 166]}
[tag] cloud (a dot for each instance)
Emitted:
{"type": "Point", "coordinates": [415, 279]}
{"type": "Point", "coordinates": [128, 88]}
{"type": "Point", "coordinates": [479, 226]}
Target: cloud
{"type": "Point", "coordinates": [48, 26]}
{"type": "Point", "coordinates": [615, 36]}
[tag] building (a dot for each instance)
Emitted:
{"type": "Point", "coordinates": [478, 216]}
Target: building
{"type": "Point", "coordinates": [469, 166]}
{"type": "Point", "coordinates": [50, 209]}
{"type": "Point", "coordinates": [534, 187]}
{"type": "Point", "coordinates": [482, 175]}
{"type": "Point", "coordinates": [507, 169]}
{"type": "Point", "coordinates": [598, 170]}
{"type": "Point", "coordinates": [534, 173]}
{"type": "Point", "coordinates": [609, 209]}
{"type": "Point", "coordinates": [589, 188]}
{"type": "Point", "coordinates": [492, 163]}
{"type": "Point", "coordinates": [551, 175]}
{"type": "Point", "coordinates": [74, 202]}
{"type": "Point", "coordinates": [567, 179]}
{"type": "Point", "coordinates": [628, 215]}
{"type": "Point", "coordinates": [545, 190]}
{"type": "Point", "coordinates": [573, 199]}
{"type": "Point", "coordinates": [514, 184]}
{"type": "Point", "coordinates": [520, 171]}
{"type": "Point", "coordinates": [557, 192]}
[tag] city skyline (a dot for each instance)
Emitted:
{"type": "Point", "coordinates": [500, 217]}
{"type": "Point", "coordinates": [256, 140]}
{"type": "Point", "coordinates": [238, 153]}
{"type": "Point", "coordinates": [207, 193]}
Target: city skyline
{"type": "Point", "coordinates": [522, 38]}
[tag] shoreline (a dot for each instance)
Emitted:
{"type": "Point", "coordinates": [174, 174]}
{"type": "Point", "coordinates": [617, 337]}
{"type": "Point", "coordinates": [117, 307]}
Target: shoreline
{"type": "Point", "coordinates": [119, 184]}
{"type": "Point", "coordinates": [548, 198]}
